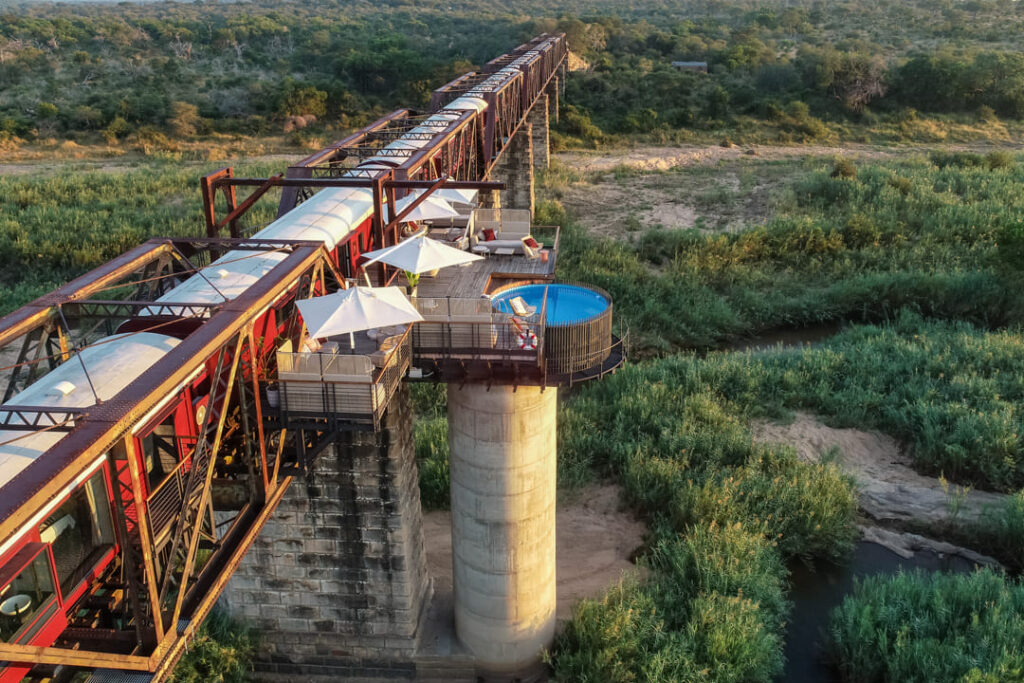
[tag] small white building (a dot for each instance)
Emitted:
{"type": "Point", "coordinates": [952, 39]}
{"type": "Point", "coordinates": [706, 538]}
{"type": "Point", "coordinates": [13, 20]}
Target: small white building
{"type": "Point", "coordinates": [699, 67]}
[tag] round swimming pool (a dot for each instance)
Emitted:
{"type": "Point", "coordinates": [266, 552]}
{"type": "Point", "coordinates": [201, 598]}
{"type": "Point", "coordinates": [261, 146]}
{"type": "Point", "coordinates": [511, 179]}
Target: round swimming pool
{"type": "Point", "coordinates": [566, 303]}
{"type": "Point", "coordinates": [577, 323]}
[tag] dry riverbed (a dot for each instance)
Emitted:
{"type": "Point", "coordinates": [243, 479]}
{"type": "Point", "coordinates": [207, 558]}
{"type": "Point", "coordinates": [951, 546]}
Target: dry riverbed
{"type": "Point", "coordinates": [891, 492]}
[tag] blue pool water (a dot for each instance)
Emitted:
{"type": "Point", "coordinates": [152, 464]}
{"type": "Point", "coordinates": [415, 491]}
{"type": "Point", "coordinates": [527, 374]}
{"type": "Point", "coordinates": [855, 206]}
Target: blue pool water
{"type": "Point", "coordinates": [566, 303]}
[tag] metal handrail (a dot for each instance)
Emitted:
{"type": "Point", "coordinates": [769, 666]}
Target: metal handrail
{"type": "Point", "coordinates": [337, 393]}
{"type": "Point", "coordinates": [493, 338]}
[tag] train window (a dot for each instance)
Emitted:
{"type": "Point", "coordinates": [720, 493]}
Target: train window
{"type": "Point", "coordinates": [79, 532]}
{"type": "Point", "coordinates": [24, 597]}
{"type": "Point", "coordinates": [345, 260]}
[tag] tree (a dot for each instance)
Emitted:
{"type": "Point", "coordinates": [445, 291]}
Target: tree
{"type": "Point", "coordinates": [47, 110]}
{"type": "Point", "coordinates": [298, 100]}
{"type": "Point", "coordinates": [184, 119]}
{"type": "Point", "coordinates": [998, 80]}
{"type": "Point", "coordinates": [853, 78]}
{"type": "Point", "coordinates": [859, 80]}
{"type": "Point", "coordinates": [931, 83]}
{"type": "Point", "coordinates": [86, 117]}
{"type": "Point", "coordinates": [117, 128]}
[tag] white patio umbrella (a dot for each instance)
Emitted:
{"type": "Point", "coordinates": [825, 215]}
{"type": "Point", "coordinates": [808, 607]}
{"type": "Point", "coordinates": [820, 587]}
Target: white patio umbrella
{"type": "Point", "coordinates": [420, 254]}
{"type": "Point", "coordinates": [452, 195]}
{"type": "Point", "coordinates": [431, 208]}
{"type": "Point", "coordinates": [356, 308]}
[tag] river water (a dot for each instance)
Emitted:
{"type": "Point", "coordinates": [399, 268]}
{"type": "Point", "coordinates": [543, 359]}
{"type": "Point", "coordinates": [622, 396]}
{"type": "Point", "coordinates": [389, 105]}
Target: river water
{"type": "Point", "coordinates": [816, 590]}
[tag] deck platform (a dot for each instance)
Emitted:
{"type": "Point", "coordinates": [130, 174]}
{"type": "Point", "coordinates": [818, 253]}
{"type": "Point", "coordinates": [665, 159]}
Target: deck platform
{"type": "Point", "coordinates": [481, 277]}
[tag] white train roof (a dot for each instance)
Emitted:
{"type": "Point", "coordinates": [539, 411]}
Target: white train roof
{"type": "Point", "coordinates": [329, 216]}
{"type": "Point", "coordinates": [112, 363]}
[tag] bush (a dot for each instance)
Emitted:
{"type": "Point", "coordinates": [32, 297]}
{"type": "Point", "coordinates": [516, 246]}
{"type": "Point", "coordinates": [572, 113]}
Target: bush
{"type": "Point", "coordinates": [621, 637]}
{"type": "Point", "coordinates": [577, 122]}
{"type": "Point", "coordinates": [957, 159]}
{"type": "Point", "coordinates": [431, 436]}
{"type": "Point", "coordinates": [712, 613]}
{"type": "Point", "coordinates": [1000, 532]}
{"type": "Point", "coordinates": [221, 652]}
{"type": "Point", "coordinates": [724, 560]}
{"type": "Point", "coordinates": [184, 119]}
{"type": "Point", "coordinates": [805, 510]}
{"type": "Point", "coordinates": [998, 160]}
{"type": "Point", "coordinates": [115, 130]}
{"type": "Point", "coordinates": [149, 140]}
{"type": "Point", "coordinates": [931, 627]}
{"type": "Point", "coordinates": [844, 168]}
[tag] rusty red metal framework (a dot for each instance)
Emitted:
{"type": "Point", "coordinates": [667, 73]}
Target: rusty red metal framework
{"type": "Point", "coordinates": [187, 456]}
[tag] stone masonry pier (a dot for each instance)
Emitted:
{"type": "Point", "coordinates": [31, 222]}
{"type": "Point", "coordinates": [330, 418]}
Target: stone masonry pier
{"type": "Point", "coordinates": [337, 581]}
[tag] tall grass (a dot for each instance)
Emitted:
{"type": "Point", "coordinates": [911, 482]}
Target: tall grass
{"type": "Point", "coordinates": [712, 613]}
{"type": "Point", "coordinates": [951, 391]}
{"type": "Point", "coordinates": [726, 513]}
{"type": "Point", "coordinates": [431, 435]}
{"type": "Point", "coordinates": [931, 627]}
{"type": "Point", "coordinates": [999, 531]}
{"type": "Point", "coordinates": [674, 430]}
{"type": "Point", "coordinates": [54, 227]}
{"type": "Point", "coordinates": [898, 234]}
{"type": "Point", "coordinates": [222, 652]}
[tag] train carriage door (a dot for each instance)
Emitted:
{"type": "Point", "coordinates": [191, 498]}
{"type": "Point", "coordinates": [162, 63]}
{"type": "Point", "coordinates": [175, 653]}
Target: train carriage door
{"type": "Point", "coordinates": [346, 264]}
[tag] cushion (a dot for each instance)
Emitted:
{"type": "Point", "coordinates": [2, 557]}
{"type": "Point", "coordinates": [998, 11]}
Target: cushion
{"type": "Point", "coordinates": [489, 235]}
{"type": "Point", "coordinates": [493, 245]}
{"type": "Point", "coordinates": [530, 242]}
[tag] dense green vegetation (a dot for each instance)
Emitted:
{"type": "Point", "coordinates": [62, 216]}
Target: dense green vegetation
{"type": "Point", "coordinates": [725, 513]}
{"type": "Point", "coordinates": [54, 227]}
{"type": "Point", "coordinates": [153, 73]}
{"type": "Point", "coordinates": [431, 434]}
{"type": "Point", "coordinates": [221, 652]}
{"type": "Point", "coordinates": [846, 243]}
{"type": "Point", "coordinates": [714, 611]}
{"type": "Point", "coordinates": [185, 69]}
{"type": "Point", "coordinates": [797, 74]}
{"type": "Point", "coordinates": [674, 432]}
{"type": "Point", "coordinates": [884, 242]}
{"type": "Point", "coordinates": [931, 627]}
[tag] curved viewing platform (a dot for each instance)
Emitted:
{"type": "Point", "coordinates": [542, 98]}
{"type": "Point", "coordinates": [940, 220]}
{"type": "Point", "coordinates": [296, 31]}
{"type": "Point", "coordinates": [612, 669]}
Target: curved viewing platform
{"type": "Point", "coordinates": [555, 334]}
{"type": "Point", "coordinates": [577, 323]}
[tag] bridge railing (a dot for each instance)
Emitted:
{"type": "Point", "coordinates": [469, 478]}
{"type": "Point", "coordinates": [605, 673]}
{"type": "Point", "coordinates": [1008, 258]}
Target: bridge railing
{"type": "Point", "coordinates": [341, 387]}
{"type": "Point", "coordinates": [468, 330]}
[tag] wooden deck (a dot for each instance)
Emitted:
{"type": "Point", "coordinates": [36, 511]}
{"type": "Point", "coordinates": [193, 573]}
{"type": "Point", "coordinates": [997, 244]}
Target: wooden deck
{"type": "Point", "coordinates": [480, 277]}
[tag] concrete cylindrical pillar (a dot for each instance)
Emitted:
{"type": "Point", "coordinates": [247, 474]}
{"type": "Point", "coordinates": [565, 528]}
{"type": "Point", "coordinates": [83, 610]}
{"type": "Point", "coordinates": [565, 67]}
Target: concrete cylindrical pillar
{"type": "Point", "coordinates": [503, 448]}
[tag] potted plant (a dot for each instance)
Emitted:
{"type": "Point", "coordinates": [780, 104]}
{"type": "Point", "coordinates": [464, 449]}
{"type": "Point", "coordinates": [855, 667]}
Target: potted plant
{"type": "Point", "coordinates": [413, 280]}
